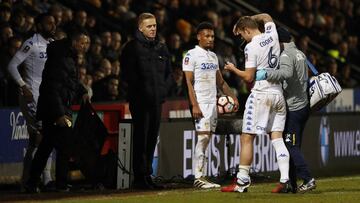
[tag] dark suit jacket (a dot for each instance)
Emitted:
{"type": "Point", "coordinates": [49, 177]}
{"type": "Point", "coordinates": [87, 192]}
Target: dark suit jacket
{"type": "Point", "coordinates": [60, 86]}
{"type": "Point", "coordinates": [146, 69]}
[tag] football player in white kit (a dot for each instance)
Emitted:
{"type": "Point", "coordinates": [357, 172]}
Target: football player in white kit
{"type": "Point", "coordinates": [265, 110]}
{"type": "Point", "coordinates": [201, 69]}
{"type": "Point", "coordinates": [33, 55]}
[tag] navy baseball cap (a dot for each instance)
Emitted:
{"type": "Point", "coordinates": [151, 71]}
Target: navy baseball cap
{"type": "Point", "coordinates": [284, 35]}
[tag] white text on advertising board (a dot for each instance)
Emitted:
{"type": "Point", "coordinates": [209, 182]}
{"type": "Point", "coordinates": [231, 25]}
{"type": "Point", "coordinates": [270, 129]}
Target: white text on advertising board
{"type": "Point", "coordinates": [218, 157]}
{"type": "Point", "coordinates": [19, 131]}
{"type": "Point", "coordinates": [347, 143]}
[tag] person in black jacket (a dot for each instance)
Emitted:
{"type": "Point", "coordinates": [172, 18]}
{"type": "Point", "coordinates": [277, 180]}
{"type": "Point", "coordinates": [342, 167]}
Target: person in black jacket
{"type": "Point", "coordinates": [147, 71]}
{"type": "Point", "coordinates": [60, 87]}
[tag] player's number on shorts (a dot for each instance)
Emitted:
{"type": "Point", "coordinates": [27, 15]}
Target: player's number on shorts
{"type": "Point", "coordinates": [272, 59]}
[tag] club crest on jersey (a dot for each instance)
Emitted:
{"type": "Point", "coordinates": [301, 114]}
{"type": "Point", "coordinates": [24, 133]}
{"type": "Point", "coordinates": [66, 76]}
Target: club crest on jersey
{"type": "Point", "coordinates": [26, 49]}
{"type": "Point", "coordinates": [268, 29]}
{"type": "Point", "coordinates": [186, 60]}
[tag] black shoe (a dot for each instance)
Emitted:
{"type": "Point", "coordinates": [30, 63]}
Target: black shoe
{"type": "Point", "coordinates": [30, 189]}
{"type": "Point", "coordinates": [293, 186]}
{"type": "Point", "coordinates": [154, 185]}
{"type": "Point", "coordinates": [142, 184]}
{"type": "Point", "coordinates": [49, 187]}
{"type": "Point", "coordinates": [99, 187]}
{"type": "Point", "coordinates": [63, 188]}
{"type": "Point", "coordinates": [305, 187]}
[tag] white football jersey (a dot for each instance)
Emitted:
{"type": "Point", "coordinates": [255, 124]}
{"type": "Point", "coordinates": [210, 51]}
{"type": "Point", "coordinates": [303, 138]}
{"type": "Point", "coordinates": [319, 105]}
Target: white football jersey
{"type": "Point", "coordinates": [263, 52]}
{"type": "Point", "coordinates": [204, 64]}
{"type": "Point", "coordinates": [33, 54]}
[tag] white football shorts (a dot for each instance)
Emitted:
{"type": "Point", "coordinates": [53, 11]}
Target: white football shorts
{"type": "Point", "coordinates": [28, 110]}
{"type": "Point", "coordinates": [209, 121]}
{"type": "Point", "coordinates": [264, 113]}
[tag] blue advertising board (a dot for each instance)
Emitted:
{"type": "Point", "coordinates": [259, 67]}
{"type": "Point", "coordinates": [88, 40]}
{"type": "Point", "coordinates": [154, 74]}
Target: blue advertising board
{"type": "Point", "coordinates": [13, 135]}
{"type": "Point", "coordinates": [357, 99]}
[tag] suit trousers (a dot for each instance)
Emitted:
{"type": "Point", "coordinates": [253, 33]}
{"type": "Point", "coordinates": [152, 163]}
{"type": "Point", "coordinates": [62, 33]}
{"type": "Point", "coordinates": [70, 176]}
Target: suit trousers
{"type": "Point", "coordinates": [146, 123]}
{"type": "Point", "coordinates": [53, 137]}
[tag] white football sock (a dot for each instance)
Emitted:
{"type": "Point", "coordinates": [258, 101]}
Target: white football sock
{"type": "Point", "coordinates": [243, 172]}
{"type": "Point", "coordinates": [46, 175]}
{"type": "Point", "coordinates": [200, 156]}
{"type": "Point", "coordinates": [283, 158]}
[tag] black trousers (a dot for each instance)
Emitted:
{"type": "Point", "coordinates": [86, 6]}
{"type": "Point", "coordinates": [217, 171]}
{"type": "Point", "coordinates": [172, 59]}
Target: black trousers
{"type": "Point", "coordinates": [293, 134]}
{"type": "Point", "coordinates": [146, 123]}
{"type": "Point", "coordinates": [53, 137]}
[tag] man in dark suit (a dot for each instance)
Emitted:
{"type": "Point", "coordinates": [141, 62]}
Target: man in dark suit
{"type": "Point", "coordinates": [146, 69]}
{"type": "Point", "coordinates": [60, 87]}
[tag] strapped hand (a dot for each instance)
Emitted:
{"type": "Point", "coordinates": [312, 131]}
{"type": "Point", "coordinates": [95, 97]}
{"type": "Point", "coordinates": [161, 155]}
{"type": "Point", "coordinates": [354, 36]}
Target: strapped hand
{"type": "Point", "coordinates": [261, 75]}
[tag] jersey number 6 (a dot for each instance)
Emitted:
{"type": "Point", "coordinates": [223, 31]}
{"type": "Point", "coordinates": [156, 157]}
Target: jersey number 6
{"type": "Point", "coordinates": [272, 59]}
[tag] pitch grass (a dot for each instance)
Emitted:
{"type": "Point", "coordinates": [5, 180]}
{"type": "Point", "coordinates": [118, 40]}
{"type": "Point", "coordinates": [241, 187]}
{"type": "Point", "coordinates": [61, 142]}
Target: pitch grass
{"type": "Point", "coordinates": [339, 189]}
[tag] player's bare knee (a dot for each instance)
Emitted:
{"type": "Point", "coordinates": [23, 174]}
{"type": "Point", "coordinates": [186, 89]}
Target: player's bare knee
{"type": "Point", "coordinates": [246, 138]}
{"type": "Point", "coordinates": [276, 134]}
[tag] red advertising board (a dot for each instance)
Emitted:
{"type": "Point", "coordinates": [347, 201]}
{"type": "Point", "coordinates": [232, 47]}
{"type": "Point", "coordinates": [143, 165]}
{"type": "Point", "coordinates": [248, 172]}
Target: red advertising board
{"type": "Point", "coordinates": [112, 114]}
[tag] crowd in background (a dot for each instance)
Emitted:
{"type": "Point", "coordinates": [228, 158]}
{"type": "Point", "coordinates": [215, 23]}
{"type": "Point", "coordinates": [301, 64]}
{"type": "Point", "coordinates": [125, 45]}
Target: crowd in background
{"type": "Point", "coordinates": [331, 23]}
{"type": "Point", "coordinates": [110, 24]}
